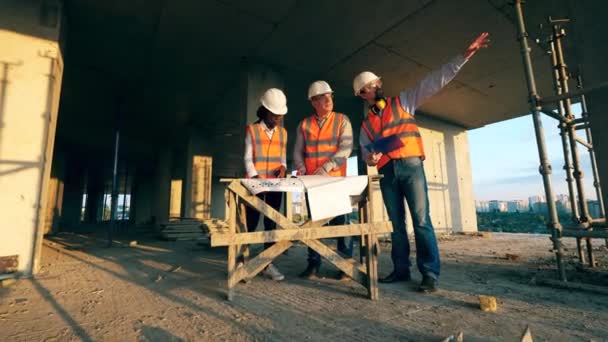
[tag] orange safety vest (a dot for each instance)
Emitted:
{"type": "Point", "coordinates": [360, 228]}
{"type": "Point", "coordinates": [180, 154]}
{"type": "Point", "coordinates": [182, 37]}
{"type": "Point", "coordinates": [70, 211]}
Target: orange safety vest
{"type": "Point", "coordinates": [267, 152]}
{"type": "Point", "coordinates": [395, 120]}
{"type": "Point", "coordinates": [321, 143]}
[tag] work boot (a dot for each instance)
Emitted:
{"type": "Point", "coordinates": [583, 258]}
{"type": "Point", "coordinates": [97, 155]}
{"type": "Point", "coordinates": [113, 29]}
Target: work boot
{"type": "Point", "coordinates": [395, 277]}
{"type": "Point", "coordinates": [311, 271]}
{"type": "Point", "coordinates": [428, 284]}
{"type": "Point", "coordinates": [273, 273]}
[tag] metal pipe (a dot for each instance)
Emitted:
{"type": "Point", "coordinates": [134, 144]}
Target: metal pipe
{"type": "Point", "coordinates": [554, 115]}
{"type": "Point", "coordinates": [584, 143]}
{"type": "Point", "coordinates": [114, 194]}
{"type": "Point", "coordinates": [594, 169]}
{"type": "Point", "coordinates": [579, 120]}
{"type": "Point", "coordinates": [569, 95]}
{"type": "Point", "coordinates": [579, 127]}
{"type": "Point", "coordinates": [557, 35]}
{"type": "Point", "coordinates": [114, 188]}
{"type": "Point", "coordinates": [562, 132]}
{"type": "Point", "coordinates": [545, 167]}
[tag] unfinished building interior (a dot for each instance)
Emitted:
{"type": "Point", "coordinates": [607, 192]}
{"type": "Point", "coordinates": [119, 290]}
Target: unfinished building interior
{"type": "Point", "coordinates": [136, 109]}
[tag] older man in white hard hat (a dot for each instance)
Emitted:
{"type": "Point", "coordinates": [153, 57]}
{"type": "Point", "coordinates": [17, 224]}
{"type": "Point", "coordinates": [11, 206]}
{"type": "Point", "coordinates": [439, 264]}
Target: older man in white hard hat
{"type": "Point", "coordinates": [390, 126]}
{"type": "Point", "coordinates": [265, 157]}
{"type": "Point", "coordinates": [324, 141]}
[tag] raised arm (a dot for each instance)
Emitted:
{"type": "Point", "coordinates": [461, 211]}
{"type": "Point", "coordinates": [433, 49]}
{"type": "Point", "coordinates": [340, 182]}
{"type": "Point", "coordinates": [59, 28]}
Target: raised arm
{"type": "Point", "coordinates": [412, 98]}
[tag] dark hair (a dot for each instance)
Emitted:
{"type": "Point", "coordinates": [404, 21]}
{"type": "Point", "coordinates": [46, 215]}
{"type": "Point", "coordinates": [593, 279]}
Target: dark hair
{"type": "Point", "coordinates": [262, 113]}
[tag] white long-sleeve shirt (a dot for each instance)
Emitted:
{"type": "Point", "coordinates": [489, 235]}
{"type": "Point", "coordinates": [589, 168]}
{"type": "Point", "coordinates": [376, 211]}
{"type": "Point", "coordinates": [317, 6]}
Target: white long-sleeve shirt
{"type": "Point", "coordinates": [345, 146]}
{"type": "Point", "coordinates": [248, 157]}
{"type": "Point", "coordinates": [413, 97]}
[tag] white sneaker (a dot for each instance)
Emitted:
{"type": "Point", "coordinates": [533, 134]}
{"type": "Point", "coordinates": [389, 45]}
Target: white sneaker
{"type": "Point", "coordinates": [273, 273]}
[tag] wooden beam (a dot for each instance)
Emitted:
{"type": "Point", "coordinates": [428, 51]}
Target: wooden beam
{"type": "Point", "coordinates": [268, 211]}
{"type": "Point", "coordinates": [300, 234]}
{"type": "Point", "coordinates": [251, 268]}
{"type": "Point", "coordinates": [354, 270]}
{"type": "Point", "coordinates": [232, 250]}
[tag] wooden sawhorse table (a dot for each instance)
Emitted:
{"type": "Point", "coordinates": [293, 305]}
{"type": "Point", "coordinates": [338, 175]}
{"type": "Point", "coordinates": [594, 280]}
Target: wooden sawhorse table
{"type": "Point", "coordinates": [233, 233]}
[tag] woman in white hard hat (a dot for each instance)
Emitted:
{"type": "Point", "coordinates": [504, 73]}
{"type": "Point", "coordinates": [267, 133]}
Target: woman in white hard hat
{"type": "Point", "coordinates": [392, 119]}
{"type": "Point", "coordinates": [324, 142]}
{"type": "Point", "coordinates": [265, 157]}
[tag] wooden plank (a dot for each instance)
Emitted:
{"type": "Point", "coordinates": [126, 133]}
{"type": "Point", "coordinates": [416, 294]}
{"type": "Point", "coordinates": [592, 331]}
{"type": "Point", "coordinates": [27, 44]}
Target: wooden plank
{"type": "Point", "coordinates": [9, 264]}
{"type": "Point", "coordinates": [254, 266]}
{"type": "Point", "coordinates": [232, 250]}
{"type": "Point", "coordinates": [317, 223]}
{"type": "Point", "coordinates": [371, 246]}
{"type": "Point", "coordinates": [300, 234]}
{"type": "Point", "coordinates": [353, 270]}
{"type": "Point", "coordinates": [372, 266]}
{"type": "Point", "coordinates": [268, 211]}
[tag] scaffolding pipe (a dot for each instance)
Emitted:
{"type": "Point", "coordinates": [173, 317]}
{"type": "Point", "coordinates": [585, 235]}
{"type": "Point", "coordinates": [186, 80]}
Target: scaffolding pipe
{"type": "Point", "coordinates": [584, 143]}
{"type": "Point", "coordinates": [562, 132]}
{"type": "Point", "coordinates": [554, 115]}
{"type": "Point", "coordinates": [579, 127]}
{"type": "Point", "coordinates": [557, 35]}
{"type": "Point", "coordinates": [545, 168]}
{"type": "Point", "coordinates": [569, 95]}
{"type": "Point", "coordinates": [594, 169]}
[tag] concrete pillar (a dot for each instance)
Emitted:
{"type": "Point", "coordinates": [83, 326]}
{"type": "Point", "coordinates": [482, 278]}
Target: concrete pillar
{"type": "Point", "coordinates": [72, 198]}
{"type": "Point", "coordinates": [54, 206]}
{"type": "Point", "coordinates": [31, 69]}
{"type": "Point", "coordinates": [163, 187]}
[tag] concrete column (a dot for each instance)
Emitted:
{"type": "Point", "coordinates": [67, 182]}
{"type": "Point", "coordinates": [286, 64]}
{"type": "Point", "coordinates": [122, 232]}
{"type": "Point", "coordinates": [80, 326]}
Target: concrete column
{"type": "Point", "coordinates": [31, 69]}
{"type": "Point", "coordinates": [163, 187]}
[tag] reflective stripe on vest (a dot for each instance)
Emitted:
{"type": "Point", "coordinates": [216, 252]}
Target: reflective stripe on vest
{"type": "Point", "coordinates": [268, 153]}
{"type": "Point", "coordinates": [320, 143]}
{"type": "Point", "coordinates": [395, 121]}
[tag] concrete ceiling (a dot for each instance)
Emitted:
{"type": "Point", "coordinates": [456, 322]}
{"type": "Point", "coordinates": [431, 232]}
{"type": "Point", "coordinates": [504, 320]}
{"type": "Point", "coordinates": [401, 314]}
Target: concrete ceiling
{"type": "Point", "coordinates": [172, 56]}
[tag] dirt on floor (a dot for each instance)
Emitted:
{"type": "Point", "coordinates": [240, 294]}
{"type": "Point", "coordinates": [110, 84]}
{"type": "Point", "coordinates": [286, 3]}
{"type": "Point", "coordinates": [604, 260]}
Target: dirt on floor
{"type": "Point", "coordinates": [175, 291]}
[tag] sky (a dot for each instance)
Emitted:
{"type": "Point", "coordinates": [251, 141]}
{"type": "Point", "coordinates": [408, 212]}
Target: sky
{"type": "Point", "coordinates": [504, 160]}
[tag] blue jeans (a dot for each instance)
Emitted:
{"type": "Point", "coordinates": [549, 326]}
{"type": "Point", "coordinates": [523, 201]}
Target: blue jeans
{"type": "Point", "coordinates": [345, 244]}
{"type": "Point", "coordinates": [405, 179]}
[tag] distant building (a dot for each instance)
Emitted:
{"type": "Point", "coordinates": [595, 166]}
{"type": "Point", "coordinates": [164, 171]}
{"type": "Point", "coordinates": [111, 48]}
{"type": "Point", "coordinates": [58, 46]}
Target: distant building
{"type": "Point", "coordinates": [497, 206]}
{"type": "Point", "coordinates": [517, 206]}
{"type": "Point", "coordinates": [534, 203]}
{"type": "Point", "coordinates": [562, 203]}
{"type": "Point", "coordinates": [482, 206]}
{"type": "Point", "coordinates": [594, 208]}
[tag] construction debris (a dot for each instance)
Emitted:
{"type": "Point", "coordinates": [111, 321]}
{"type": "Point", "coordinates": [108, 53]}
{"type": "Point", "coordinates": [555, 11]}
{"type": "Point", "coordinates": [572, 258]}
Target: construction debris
{"type": "Point", "coordinates": [488, 303]}
{"type": "Point", "coordinates": [7, 282]}
{"type": "Point", "coordinates": [9, 264]}
{"type": "Point", "coordinates": [175, 269]}
{"type": "Point", "coordinates": [455, 338]}
{"type": "Point", "coordinates": [512, 257]}
{"type": "Point", "coordinates": [527, 336]}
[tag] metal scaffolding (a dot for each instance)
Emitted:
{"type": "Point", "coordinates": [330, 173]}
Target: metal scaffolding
{"type": "Point", "coordinates": [582, 225]}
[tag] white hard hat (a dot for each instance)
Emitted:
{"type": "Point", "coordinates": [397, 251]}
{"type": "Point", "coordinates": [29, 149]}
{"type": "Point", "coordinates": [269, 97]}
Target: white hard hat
{"type": "Point", "coordinates": [362, 79]}
{"type": "Point", "coordinates": [318, 88]}
{"type": "Point", "coordinates": [275, 101]}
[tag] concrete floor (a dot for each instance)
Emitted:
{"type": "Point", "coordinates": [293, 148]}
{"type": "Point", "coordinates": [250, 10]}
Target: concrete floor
{"type": "Point", "coordinates": [173, 291]}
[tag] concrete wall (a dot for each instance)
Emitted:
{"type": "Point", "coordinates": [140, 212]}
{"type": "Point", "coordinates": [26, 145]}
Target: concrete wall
{"type": "Point", "coordinates": [449, 177]}
{"type": "Point", "coordinates": [31, 69]}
